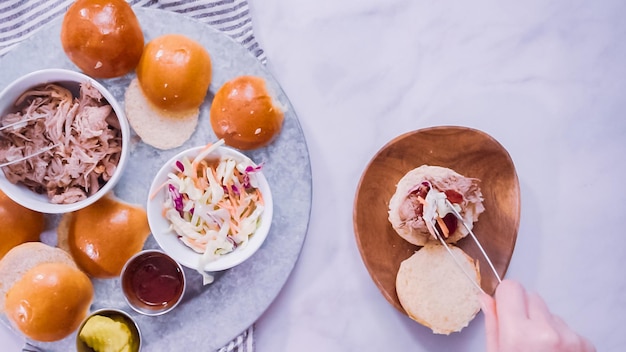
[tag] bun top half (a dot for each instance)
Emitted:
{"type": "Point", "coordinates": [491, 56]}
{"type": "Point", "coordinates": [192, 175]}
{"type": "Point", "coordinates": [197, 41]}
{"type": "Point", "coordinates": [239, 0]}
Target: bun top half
{"type": "Point", "coordinates": [42, 292]}
{"type": "Point", "coordinates": [102, 37]}
{"type": "Point", "coordinates": [245, 114]}
{"type": "Point", "coordinates": [19, 224]}
{"type": "Point", "coordinates": [175, 72]}
{"type": "Point", "coordinates": [103, 236]}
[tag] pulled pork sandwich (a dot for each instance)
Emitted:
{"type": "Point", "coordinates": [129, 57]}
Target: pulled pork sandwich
{"type": "Point", "coordinates": [419, 203]}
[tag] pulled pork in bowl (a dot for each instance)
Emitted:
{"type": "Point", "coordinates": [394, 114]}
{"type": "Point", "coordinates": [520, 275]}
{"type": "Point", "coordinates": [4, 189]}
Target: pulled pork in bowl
{"type": "Point", "coordinates": [63, 140]}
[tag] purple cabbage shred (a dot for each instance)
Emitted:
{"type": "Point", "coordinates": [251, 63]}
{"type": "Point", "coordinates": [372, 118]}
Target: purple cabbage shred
{"type": "Point", "coordinates": [176, 198]}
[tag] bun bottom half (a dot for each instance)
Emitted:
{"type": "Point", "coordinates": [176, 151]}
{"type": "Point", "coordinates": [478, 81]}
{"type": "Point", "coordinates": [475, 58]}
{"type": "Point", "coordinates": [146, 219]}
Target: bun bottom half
{"type": "Point", "coordinates": [434, 291]}
{"type": "Point", "coordinates": [157, 127]}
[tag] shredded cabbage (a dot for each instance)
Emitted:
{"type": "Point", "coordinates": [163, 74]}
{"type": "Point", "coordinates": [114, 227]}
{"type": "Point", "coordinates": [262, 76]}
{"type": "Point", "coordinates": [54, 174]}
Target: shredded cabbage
{"type": "Point", "coordinates": [213, 203]}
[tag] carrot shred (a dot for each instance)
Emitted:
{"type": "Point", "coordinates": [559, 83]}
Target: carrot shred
{"type": "Point", "coordinates": [443, 227]}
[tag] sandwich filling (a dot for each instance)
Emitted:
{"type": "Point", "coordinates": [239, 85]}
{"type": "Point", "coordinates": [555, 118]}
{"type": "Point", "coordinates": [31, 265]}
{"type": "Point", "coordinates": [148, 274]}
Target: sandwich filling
{"type": "Point", "coordinates": [419, 204]}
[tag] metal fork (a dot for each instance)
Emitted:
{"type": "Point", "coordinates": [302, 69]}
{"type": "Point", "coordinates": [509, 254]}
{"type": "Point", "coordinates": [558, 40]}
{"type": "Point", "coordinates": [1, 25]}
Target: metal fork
{"type": "Point", "coordinates": [42, 150]}
{"type": "Point", "coordinates": [443, 242]}
{"type": "Point", "coordinates": [482, 250]}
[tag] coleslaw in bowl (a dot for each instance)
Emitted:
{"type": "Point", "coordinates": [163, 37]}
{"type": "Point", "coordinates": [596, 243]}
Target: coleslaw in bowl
{"type": "Point", "coordinates": [210, 208]}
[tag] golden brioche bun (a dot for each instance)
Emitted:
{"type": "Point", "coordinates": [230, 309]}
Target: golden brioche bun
{"type": "Point", "coordinates": [244, 113]}
{"type": "Point", "coordinates": [175, 72]}
{"type": "Point", "coordinates": [435, 292]}
{"type": "Point", "coordinates": [159, 128]}
{"type": "Point", "coordinates": [50, 301]}
{"type": "Point", "coordinates": [42, 291]}
{"type": "Point", "coordinates": [102, 37]}
{"type": "Point", "coordinates": [24, 257]}
{"type": "Point", "coordinates": [19, 224]}
{"type": "Point", "coordinates": [104, 235]}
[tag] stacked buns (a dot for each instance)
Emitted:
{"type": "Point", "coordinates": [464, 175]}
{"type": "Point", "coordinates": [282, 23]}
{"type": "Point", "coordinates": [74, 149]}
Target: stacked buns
{"type": "Point", "coordinates": [163, 102]}
{"type": "Point", "coordinates": [42, 291]}
{"type": "Point", "coordinates": [431, 286]}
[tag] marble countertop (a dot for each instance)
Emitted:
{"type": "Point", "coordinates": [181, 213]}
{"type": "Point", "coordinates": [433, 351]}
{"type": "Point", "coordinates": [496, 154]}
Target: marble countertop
{"type": "Point", "coordinates": [546, 78]}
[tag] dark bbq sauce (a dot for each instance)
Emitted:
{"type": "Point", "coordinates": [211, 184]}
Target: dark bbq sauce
{"type": "Point", "coordinates": [155, 281]}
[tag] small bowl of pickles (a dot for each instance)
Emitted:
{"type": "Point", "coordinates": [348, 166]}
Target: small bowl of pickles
{"type": "Point", "coordinates": [108, 330]}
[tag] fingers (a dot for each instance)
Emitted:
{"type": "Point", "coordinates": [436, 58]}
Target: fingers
{"type": "Point", "coordinates": [537, 308]}
{"type": "Point", "coordinates": [488, 306]}
{"type": "Point", "coordinates": [512, 303]}
{"type": "Point", "coordinates": [587, 346]}
{"type": "Point", "coordinates": [569, 340]}
{"type": "Point", "coordinates": [521, 321]}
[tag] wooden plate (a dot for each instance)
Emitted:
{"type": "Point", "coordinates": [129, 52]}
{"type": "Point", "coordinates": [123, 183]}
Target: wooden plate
{"type": "Point", "coordinates": [469, 152]}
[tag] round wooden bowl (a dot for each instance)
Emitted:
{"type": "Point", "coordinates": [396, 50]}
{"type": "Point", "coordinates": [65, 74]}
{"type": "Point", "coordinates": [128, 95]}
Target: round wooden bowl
{"type": "Point", "coordinates": [467, 151]}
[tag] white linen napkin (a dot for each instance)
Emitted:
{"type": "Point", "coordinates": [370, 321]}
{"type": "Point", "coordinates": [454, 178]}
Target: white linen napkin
{"type": "Point", "coordinates": [22, 18]}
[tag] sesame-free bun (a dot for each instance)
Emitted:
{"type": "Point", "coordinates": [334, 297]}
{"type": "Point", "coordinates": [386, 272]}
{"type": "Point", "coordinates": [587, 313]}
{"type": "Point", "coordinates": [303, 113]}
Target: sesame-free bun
{"type": "Point", "coordinates": [42, 292]}
{"type": "Point", "coordinates": [19, 224]}
{"type": "Point", "coordinates": [413, 228]}
{"type": "Point", "coordinates": [24, 257]}
{"type": "Point", "coordinates": [245, 114]}
{"type": "Point", "coordinates": [159, 128]}
{"type": "Point", "coordinates": [434, 291]}
{"type": "Point", "coordinates": [102, 37]}
{"type": "Point", "coordinates": [103, 236]}
{"type": "Point", "coordinates": [175, 72]}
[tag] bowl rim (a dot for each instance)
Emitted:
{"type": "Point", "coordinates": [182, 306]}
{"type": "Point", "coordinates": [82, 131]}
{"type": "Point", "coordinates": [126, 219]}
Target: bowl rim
{"type": "Point", "coordinates": [40, 202]}
{"type": "Point", "coordinates": [188, 258]}
{"type": "Point", "coordinates": [111, 311]}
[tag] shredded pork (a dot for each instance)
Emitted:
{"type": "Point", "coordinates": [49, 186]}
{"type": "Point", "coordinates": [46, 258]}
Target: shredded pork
{"type": "Point", "coordinates": [86, 130]}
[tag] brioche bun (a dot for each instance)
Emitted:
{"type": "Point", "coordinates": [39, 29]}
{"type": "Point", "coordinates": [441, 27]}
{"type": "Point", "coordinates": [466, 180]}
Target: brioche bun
{"type": "Point", "coordinates": [245, 114]}
{"type": "Point", "coordinates": [24, 257]}
{"type": "Point", "coordinates": [19, 224]}
{"type": "Point", "coordinates": [102, 37]}
{"type": "Point", "coordinates": [42, 291]}
{"type": "Point", "coordinates": [161, 129]}
{"type": "Point", "coordinates": [104, 235]}
{"type": "Point", "coordinates": [413, 228]}
{"type": "Point", "coordinates": [434, 291]}
{"type": "Point", "coordinates": [174, 72]}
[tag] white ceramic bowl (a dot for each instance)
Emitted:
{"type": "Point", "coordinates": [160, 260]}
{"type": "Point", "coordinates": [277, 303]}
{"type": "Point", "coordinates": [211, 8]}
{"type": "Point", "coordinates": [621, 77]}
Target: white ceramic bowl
{"type": "Point", "coordinates": [71, 80]}
{"type": "Point", "coordinates": [168, 239]}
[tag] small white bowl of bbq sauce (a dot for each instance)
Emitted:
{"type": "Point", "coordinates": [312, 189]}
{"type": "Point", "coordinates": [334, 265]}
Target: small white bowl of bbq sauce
{"type": "Point", "coordinates": [153, 283]}
{"type": "Point", "coordinates": [81, 129]}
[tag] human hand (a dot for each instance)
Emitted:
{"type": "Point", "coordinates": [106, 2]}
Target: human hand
{"type": "Point", "coordinates": [517, 321]}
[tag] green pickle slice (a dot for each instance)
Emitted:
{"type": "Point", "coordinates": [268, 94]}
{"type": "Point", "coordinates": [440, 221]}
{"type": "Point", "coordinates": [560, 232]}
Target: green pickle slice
{"type": "Point", "coordinates": [104, 334]}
